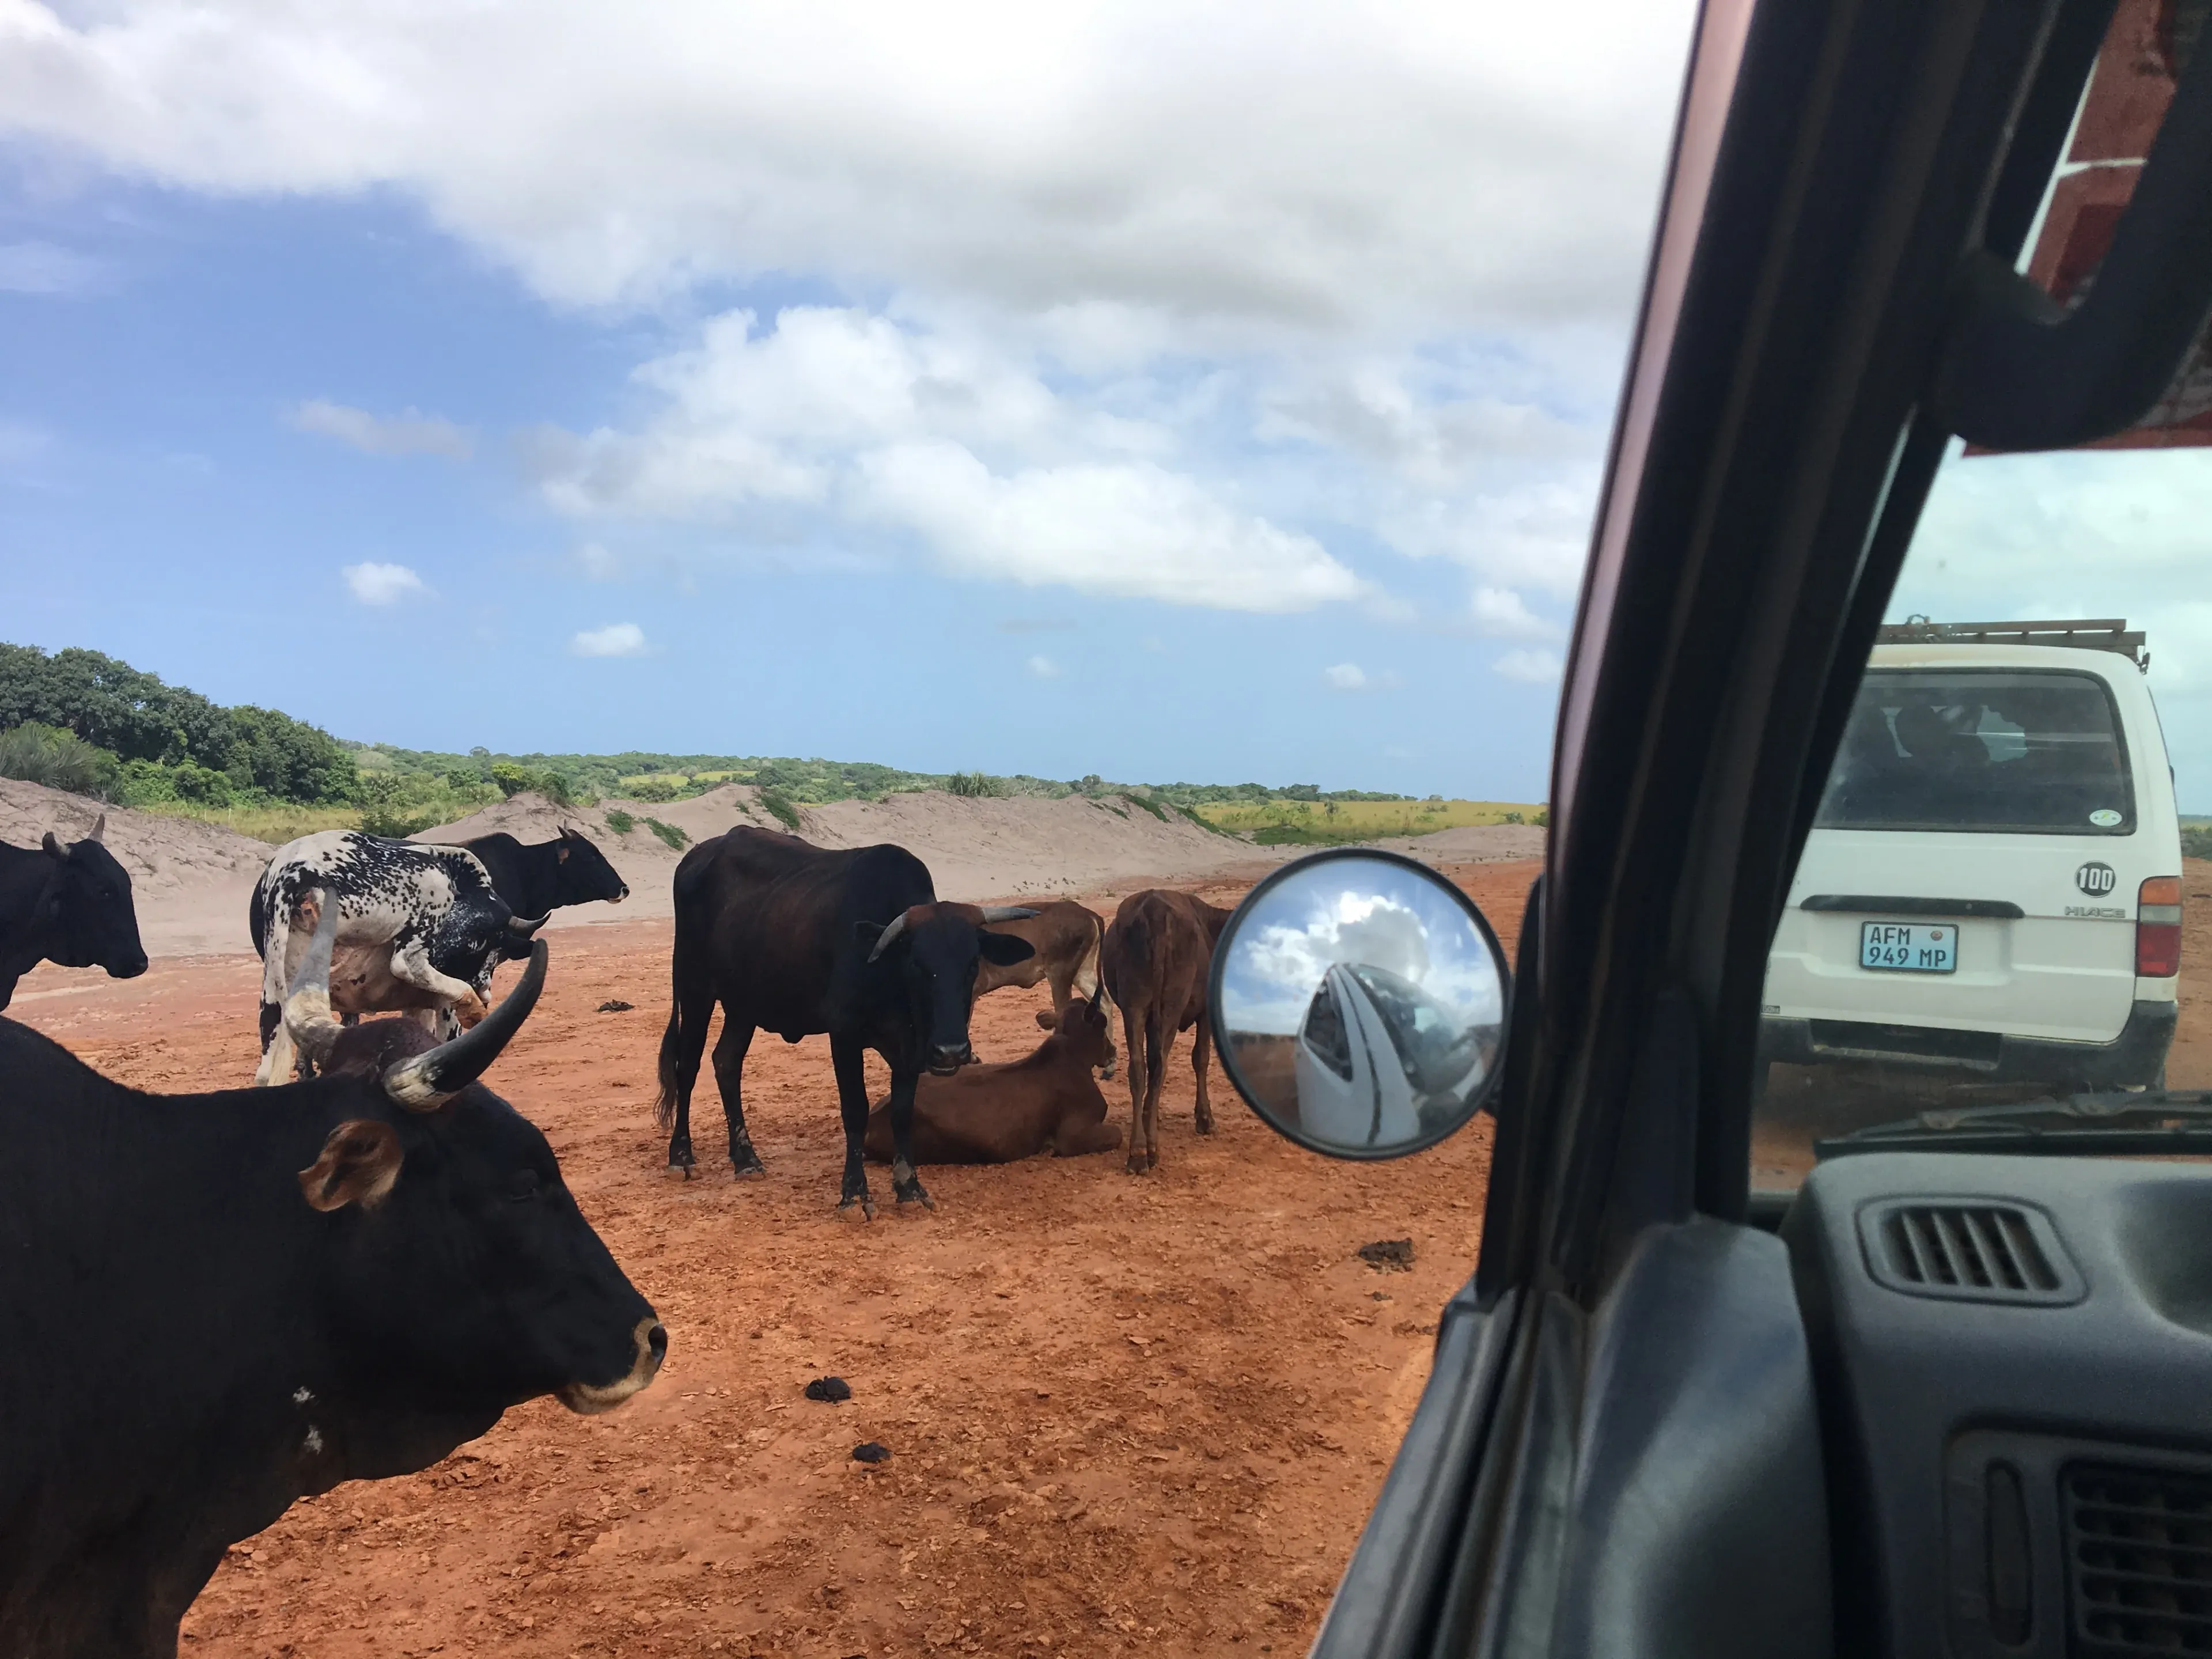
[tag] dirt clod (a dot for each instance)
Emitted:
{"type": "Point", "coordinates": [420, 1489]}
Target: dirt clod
{"type": "Point", "coordinates": [616, 1006]}
{"type": "Point", "coordinates": [1389, 1255]}
{"type": "Point", "coordinates": [871, 1451]}
{"type": "Point", "coordinates": [829, 1388]}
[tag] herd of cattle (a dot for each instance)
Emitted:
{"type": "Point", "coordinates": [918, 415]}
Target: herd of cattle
{"type": "Point", "coordinates": [213, 1304]}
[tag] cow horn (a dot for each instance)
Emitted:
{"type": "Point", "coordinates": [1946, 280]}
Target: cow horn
{"type": "Point", "coordinates": [1007, 913]}
{"type": "Point", "coordinates": [54, 846]}
{"type": "Point", "coordinates": [883, 940]}
{"type": "Point", "coordinates": [428, 1081]}
{"type": "Point", "coordinates": [98, 828]}
{"type": "Point", "coordinates": [308, 1015]}
{"type": "Point", "coordinates": [524, 926]}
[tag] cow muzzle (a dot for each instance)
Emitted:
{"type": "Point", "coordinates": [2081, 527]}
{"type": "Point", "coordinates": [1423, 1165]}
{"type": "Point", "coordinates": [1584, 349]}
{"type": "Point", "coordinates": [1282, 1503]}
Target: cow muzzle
{"type": "Point", "coordinates": [948, 1058]}
{"type": "Point", "coordinates": [590, 1399]}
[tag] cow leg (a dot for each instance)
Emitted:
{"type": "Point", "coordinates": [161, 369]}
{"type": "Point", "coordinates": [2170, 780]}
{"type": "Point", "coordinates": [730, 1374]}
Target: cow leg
{"type": "Point", "coordinates": [1199, 1049]}
{"type": "Point", "coordinates": [1133, 1038]}
{"type": "Point", "coordinates": [906, 1183]}
{"type": "Point", "coordinates": [1159, 1044]}
{"type": "Point", "coordinates": [681, 1045]}
{"type": "Point", "coordinates": [411, 964]}
{"type": "Point", "coordinates": [845, 1061]}
{"type": "Point", "coordinates": [729, 1074]}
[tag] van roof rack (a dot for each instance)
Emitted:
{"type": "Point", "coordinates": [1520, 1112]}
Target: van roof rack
{"type": "Point", "coordinates": [2086, 633]}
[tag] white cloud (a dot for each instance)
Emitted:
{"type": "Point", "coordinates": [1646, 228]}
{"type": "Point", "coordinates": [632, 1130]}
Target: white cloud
{"type": "Point", "coordinates": [1501, 613]}
{"type": "Point", "coordinates": [382, 584]}
{"type": "Point", "coordinates": [43, 268]}
{"type": "Point", "coordinates": [410, 434]}
{"type": "Point", "coordinates": [615, 640]}
{"type": "Point", "coordinates": [1350, 677]}
{"type": "Point", "coordinates": [1532, 667]}
{"type": "Point", "coordinates": [1044, 668]}
{"type": "Point", "coordinates": [1107, 167]}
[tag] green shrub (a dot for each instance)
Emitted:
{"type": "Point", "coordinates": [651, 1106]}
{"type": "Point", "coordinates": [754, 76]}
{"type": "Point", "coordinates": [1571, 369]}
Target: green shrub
{"type": "Point", "coordinates": [1543, 818]}
{"type": "Point", "coordinates": [778, 807]}
{"type": "Point", "coordinates": [387, 808]}
{"type": "Point", "coordinates": [2196, 840]}
{"type": "Point", "coordinates": [514, 779]}
{"type": "Point", "coordinates": [37, 753]}
{"type": "Point", "coordinates": [1512, 818]}
{"type": "Point", "coordinates": [974, 785]}
{"type": "Point", "coordinates": [620, 822]}
{"type": "Point", "coordinates": [1151, 806]}
{"type": "Point", "coordinates": [677, 840]}
{"type": "Point", "coordinates": [655, 789]}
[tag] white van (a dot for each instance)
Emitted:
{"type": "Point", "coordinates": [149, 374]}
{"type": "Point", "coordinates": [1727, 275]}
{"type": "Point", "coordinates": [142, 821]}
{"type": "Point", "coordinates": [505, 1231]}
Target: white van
{"type": "Point", "coordinates": [1991, 891]}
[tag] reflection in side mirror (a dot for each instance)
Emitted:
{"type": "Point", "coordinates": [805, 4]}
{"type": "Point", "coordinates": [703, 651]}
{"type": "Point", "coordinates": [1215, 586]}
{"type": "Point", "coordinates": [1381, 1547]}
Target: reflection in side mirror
{"type": "Point", "coordinates": [1359, 1003]}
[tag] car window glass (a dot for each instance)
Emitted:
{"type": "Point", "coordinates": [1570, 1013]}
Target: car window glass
{"type": "Point", "coordinates": [1997, 903]}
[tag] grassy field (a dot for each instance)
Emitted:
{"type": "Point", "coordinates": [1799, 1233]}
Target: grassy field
{"type": "Point", "coordinates": [275, 825]}
{"type": "Point", "coordinates": [1329, 823]}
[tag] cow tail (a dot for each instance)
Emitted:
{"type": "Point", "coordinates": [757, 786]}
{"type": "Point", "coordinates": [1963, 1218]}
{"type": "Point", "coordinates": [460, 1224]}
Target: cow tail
{"type": "Point", "coordinates": [664, 1109]}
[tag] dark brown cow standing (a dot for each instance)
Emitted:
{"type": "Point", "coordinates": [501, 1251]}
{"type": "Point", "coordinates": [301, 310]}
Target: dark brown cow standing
{"type": "Point", "coordinates": [1154, 961]}
{"type": "Point", "coordinates": [998, 1113]}
{"type": "Point", "coordinates": [1065, 937]}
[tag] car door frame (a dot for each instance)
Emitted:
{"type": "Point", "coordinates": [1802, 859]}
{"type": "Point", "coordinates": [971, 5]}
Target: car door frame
{"type": "Point", "coordinates": [1836, 165]}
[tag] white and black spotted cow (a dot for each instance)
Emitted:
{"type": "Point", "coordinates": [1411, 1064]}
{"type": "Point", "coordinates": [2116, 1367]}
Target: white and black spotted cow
{"type": "Point", "coordinates": [420, 930]}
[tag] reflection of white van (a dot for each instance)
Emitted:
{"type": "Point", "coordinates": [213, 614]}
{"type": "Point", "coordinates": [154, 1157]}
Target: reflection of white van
{"type": "Point", "coordinates": [1992, 889]}
{"type": "Point", "coordinates": [1379, 1062]}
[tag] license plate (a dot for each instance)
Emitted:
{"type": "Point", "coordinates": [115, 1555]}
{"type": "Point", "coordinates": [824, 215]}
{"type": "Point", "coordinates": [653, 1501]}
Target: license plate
{"type": "Point", "coordinates": [1909, 947]}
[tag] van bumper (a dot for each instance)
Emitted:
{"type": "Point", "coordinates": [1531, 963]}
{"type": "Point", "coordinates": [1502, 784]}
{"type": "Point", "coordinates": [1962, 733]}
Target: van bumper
{"type": "Point", "coordinates": [2134, 1059]}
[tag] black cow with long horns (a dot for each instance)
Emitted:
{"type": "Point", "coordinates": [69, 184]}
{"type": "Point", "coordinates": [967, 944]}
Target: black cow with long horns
{"type": "Point", "coordinates": [798, 940]}
{"type": "Point", "coordinates": [211, 1305]}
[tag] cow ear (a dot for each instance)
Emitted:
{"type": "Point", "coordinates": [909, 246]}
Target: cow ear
{"type": "Point", "coordinates": [359, 1165]}
{"type": "Point", "coordinates": [1004, 949]}
{"type": "Point", "coordinates": [53, 847]}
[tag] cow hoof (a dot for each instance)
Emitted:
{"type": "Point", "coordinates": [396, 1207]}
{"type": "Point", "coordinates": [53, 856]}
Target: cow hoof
{"type": "Point", "coordinates": [866, 1200]}
{"type": "Point", "coordinates": [916, 1192]}
{"type": "Point", "coordinates": [748, 1164]}
{"type": "Point", "coordinates": [1137, 1164]}
{"type": "Point", "coordinates": [1206, 1125]}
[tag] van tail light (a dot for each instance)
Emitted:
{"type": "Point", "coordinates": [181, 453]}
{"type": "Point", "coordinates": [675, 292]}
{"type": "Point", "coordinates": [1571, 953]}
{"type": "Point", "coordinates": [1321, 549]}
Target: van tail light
{"type": "Point", "coordinates": [2158, 928]}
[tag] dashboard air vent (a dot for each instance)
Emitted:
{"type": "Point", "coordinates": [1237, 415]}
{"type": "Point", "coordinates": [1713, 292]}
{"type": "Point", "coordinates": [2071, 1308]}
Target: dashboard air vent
{"type": "Point", "coordinates": [1968, 1250]}
{"type": "Point", "coordinates": [2138, 1560]}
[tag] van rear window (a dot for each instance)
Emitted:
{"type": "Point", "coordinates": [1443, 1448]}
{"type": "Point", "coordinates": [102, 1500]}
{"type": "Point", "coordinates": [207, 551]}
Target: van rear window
{"type": "Point", "coordinates": [2033, 752]}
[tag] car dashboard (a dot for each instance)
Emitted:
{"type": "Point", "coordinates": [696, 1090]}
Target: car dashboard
{"type": "Point", "coordinates": [2013, 1361]}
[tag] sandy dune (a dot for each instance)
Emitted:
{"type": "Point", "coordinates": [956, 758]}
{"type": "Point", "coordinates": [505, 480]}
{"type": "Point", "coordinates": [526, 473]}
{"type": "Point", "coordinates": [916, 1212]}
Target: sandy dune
{"type": "Point", "coordinates": [192, 880]}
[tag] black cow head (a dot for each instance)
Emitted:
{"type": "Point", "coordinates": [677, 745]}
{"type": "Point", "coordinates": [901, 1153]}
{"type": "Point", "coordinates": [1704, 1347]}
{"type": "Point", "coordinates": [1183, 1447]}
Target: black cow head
{"type": "Point", "coordinates": [465, 1277]}
{"type": "Point", "coordinates": [934, 950]}
{"type": "Point", "coordinates": [584, 871]}
{"type": "Point", "coordinates": [93, 924]}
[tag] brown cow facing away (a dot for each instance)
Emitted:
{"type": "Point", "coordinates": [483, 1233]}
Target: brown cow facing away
{"type": "Point", "coordinates": [998, 1113]}
{"type": "Point", "coordinates": [1065, 937]}
{"type": "Point", "coordinates": [1154, 961]}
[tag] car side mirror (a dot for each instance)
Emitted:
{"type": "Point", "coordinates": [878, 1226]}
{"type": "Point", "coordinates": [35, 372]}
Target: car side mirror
{"type": "Point", "coordinates": [1359, 1003]}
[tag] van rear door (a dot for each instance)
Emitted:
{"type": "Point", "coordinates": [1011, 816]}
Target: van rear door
{"type": "Point", "coordinates": [1974, 864]}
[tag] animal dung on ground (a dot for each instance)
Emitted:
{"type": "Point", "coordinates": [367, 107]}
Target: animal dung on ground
{"type": "Point", "coordinates": [616, 1006]}
{"type": "Point", "coordinates": [831, 1388]}
{"type": "Point", "coordinates": [1389, 1255]}
{"type": "Point", "coordinates": [871, 1451]}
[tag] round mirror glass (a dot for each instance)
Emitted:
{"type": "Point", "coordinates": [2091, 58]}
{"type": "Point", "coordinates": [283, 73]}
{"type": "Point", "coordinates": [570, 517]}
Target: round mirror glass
{"type": "Point", "coordinates": [1359, 1003]}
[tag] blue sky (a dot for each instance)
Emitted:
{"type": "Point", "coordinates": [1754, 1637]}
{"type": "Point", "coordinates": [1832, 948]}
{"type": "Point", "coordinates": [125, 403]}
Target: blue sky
{"type": "Point", "coordinates": [1203, 392]}
{"type": "Point", "coordinates": [1161, 392]}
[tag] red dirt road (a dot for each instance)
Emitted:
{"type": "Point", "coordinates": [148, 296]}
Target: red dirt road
{"type": "Point", "coordinates": [1123, 1413]}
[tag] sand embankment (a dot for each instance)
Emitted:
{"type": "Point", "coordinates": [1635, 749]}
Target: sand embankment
{"type": "Point", "coordinates": [192, 880]}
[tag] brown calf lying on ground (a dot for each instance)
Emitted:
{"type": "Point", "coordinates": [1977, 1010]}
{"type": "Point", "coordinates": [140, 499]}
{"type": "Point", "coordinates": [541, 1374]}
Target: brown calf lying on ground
{"type": "Point", "coordinates": [996, 1114]}
{"type": "Point", "coordinates": [1154, 961]}
{"type": "Point", "coordinates": [1065, 936]}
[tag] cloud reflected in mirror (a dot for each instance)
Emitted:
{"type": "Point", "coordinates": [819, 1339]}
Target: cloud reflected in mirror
{"type": "Point", "coordinates": [1359, 1003]}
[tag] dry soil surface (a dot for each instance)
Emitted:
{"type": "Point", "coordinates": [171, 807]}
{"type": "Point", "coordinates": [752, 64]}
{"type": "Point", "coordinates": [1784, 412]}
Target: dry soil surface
{"type": "Point", "coordinates": [1125, 1414]}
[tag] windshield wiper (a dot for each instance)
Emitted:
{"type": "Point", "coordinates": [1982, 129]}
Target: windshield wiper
{"type": "Point", "coordinates": [2153, 1122]}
